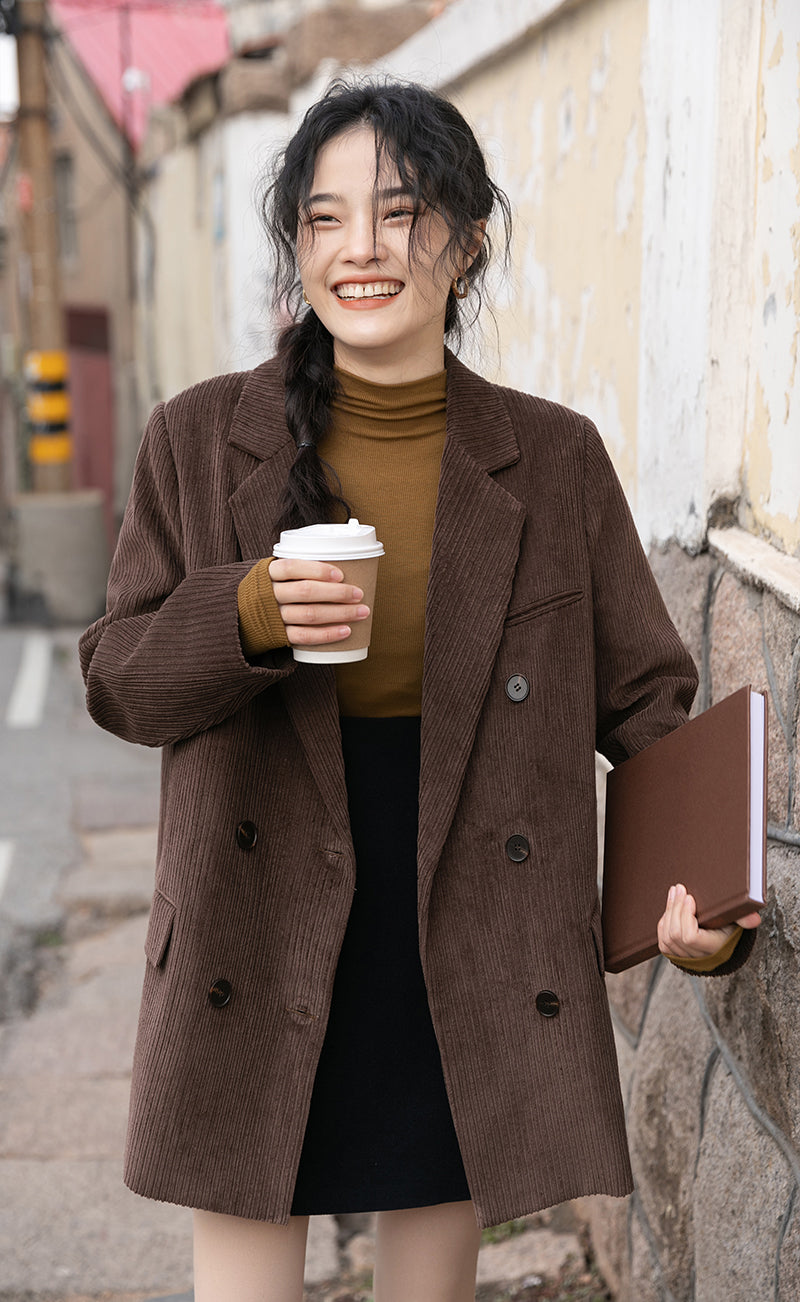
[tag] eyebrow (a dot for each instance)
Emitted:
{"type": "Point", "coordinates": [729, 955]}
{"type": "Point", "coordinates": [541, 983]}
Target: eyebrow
{"type": "Point", "coordinates": [393, 192]}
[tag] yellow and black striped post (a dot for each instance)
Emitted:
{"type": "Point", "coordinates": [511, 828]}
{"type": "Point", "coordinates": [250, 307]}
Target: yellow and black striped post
{"type": "Point", "coordinates": [50, 445]}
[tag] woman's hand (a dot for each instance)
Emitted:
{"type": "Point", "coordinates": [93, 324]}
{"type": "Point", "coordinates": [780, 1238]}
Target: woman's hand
{"type": "Point", "coordinates": [315, 604]}
{"type": "Point", "coordinates": [679, 935]}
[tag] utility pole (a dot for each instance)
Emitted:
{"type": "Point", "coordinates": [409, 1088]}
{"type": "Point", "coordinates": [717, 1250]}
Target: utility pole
{"type": "Point", "coordinates": [50, 447]}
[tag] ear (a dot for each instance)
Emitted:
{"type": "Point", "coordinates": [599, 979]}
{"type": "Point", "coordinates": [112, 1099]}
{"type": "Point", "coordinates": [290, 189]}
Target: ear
{"type": "Point", "coordinates": [477, 241]}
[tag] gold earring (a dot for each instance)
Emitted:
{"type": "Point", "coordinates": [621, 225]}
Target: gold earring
{"type": "Point", "coordinates": [306, 299]}
{"type": "Point", "coordinates": [460, 287]}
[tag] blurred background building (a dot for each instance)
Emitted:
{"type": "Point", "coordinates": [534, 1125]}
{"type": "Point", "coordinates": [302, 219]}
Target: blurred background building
{"type": "Point", "coordinates": [651, 149]}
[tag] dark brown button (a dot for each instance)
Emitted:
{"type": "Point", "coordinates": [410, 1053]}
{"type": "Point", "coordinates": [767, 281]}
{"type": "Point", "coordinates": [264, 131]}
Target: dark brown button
{"type": "Point", "coordinates": [246, 835]}
{"type": "Point", "coordinates": [517, 848]}
{"type": "Point", "coordinates": [220, 992]}
{"type": "Point", "coordinates": [517, 687]}
{"type": "Point", "coordinates": [547, 1003]}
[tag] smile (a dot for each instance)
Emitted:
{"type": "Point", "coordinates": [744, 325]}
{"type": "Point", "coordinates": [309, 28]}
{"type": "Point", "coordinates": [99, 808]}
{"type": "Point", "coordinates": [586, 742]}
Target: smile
{"type": "Point", "coordinates": [374, 289]}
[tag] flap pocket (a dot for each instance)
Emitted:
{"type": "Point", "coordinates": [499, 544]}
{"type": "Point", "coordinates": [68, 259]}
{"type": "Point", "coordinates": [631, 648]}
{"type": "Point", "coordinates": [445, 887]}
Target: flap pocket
{"type": "Point", "coordinates": [159, 930]}
{"type": "Point", "coordinates": [544, 605]}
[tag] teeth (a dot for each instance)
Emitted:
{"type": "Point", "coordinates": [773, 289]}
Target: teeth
{"type": "Point", "coordinates": [375, 289]}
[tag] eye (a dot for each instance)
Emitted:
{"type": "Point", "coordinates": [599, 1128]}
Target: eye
{"type": "Point", "coordinates": [399, 214]}
{"type": "Point", "coordinates": [319, 219]}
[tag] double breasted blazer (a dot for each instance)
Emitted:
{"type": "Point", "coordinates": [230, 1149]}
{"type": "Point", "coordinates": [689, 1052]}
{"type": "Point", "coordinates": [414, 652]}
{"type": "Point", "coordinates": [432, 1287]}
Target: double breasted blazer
{"type": "Point", "coordinates": [545, 637]}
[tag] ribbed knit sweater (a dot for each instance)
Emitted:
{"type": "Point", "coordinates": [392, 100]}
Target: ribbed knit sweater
{"type": "Point", "coordinates": [385, 446]}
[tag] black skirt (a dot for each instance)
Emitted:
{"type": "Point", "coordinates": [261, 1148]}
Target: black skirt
{"type": "Point", "coordinates": [380, 1134]}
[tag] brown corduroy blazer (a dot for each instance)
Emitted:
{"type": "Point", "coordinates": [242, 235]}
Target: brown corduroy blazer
{"type": "Point", "coordinates": [536, 570]}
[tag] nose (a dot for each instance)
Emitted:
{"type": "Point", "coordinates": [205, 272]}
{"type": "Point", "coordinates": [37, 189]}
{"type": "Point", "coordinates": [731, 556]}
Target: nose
{"type": "Point", "coordinates": [361, 244]}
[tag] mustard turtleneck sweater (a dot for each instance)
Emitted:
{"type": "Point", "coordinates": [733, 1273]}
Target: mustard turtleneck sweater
{"type": "Point", "coordinates": [385, 445]}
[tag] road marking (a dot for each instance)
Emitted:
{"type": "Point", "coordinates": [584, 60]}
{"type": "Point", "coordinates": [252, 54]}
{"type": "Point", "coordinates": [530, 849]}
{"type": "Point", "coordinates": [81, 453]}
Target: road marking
{"type": "Point", "coordinates": [6, 854]}
{"type": "Point", "coordinates": [26, 704]}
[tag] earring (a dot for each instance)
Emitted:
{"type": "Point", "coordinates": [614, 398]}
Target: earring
{"type": "Point", "coordinates": [306, 299]}
{"type": "Point", "coordinates": [460, 287]}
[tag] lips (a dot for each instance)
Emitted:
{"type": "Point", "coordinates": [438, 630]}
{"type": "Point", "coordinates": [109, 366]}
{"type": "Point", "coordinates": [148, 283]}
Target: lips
{"type": "Point", "coordinates": [349, 290]}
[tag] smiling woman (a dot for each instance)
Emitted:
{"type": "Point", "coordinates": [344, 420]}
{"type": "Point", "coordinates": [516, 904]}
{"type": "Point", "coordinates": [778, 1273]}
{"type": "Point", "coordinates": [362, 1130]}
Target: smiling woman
{"type": "Point", "coordinates": [375, 967]}
{"type": "Point", "coordinates": [355, 256]}
{"type": "Point", "coordinates": [382, 186]}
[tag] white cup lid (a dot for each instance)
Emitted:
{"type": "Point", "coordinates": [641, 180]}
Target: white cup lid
{"type": "Point", "coordinates": [339, 542]}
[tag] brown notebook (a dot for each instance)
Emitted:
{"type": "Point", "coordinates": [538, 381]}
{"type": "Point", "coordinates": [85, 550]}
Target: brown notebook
{"type": "Point", "coordinates": [691, 808]}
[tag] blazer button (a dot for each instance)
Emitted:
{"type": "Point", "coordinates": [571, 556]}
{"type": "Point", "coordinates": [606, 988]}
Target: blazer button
{"type": "Point", "coordinates": [517, 687]}
{"type": "Point", "coordinates": [517, 848]}
{"type": "Point", "coordinates": [246, 835]}
{"type": "Point", "coordinates": [547, 1003]}
{"type": "Point", "coordinates": [220, 992]}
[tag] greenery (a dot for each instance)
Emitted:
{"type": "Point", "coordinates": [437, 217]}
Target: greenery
{"type": "Point", "coordinates": [508, 1229]}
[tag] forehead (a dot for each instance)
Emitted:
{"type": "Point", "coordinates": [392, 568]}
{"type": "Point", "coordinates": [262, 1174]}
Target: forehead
{"type": "Point", "coordinates": [348, 164]}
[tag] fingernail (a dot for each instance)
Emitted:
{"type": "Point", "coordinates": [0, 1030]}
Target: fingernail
{"type": "Point", "coordinates": [363, 611]}
{"type": "Point", "coordinates": [671, 895]}
{"type": "Point", "coordinates": [357, 594]}
{"type": "Point", "coordinates": [344, 630]}
{"type": "Point", "coordinates": [336, 575]}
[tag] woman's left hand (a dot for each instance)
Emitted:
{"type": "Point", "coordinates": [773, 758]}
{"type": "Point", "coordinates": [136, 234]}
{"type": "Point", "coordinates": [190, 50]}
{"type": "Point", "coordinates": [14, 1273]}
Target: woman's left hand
{"type": "Point", "coordinates": [679, 935]}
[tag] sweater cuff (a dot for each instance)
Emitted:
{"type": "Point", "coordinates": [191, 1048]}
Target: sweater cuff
{"type": "Point", "coordinates": [261, 628]}
{"type": "Point", "coordinates": [711, 961]}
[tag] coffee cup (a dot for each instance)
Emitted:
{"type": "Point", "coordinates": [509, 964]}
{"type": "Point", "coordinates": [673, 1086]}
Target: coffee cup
{"type": "Point", "coordinates": [355, 550]}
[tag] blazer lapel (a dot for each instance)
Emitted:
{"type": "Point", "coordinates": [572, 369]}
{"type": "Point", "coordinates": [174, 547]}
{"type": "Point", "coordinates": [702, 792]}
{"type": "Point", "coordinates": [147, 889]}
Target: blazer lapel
{"type": "Point", "coordinates": [259, 428]}
{"type": "Point", "coordinates": [475, 548]}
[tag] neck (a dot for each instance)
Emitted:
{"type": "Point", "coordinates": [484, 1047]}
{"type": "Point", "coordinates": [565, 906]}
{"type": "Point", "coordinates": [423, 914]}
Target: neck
{"type": "Point", "coordinates": [378, 368]}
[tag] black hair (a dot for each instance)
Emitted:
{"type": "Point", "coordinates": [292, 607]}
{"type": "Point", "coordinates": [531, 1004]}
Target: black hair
{"type": "Point", "coordinates": [442, 168]}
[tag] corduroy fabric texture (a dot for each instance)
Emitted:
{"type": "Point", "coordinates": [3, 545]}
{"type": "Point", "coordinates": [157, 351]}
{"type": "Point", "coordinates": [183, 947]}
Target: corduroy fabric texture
{"type": "Point", "coordinates": [536, 569]}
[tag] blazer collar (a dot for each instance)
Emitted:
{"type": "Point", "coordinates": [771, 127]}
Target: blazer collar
{"type": "Point", "coordinates": [259, 422]}
{"type": "Point", "coordinates": [476, 416]}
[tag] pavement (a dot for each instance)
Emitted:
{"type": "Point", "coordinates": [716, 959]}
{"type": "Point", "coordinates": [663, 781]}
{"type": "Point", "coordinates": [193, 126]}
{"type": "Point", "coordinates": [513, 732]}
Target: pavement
{"type": "Point", "coordinates": [70, 1231]}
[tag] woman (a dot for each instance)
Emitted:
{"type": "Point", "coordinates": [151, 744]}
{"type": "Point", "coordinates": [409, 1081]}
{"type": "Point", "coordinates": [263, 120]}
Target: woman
{"type": "Point", "coordinates": [374, 973]}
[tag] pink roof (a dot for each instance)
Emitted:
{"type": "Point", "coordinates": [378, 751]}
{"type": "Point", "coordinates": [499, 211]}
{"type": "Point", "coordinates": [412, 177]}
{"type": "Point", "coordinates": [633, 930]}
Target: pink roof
{"type": "Point", "coordinates": [171, 41]}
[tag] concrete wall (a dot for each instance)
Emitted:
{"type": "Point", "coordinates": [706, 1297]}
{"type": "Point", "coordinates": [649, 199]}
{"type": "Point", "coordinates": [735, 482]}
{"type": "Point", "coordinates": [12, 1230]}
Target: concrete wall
{"type": "Point", "coordinates": [190, 301]}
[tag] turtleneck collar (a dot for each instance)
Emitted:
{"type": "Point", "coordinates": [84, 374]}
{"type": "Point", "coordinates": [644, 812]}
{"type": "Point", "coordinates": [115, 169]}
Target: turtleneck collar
{"type": "Point", "coordinates": [415, 407]}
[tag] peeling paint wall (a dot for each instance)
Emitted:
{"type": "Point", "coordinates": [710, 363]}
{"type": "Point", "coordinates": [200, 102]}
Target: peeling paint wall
{"type": "Point", "coordinates": [679, 77]}
{"type": "Point", "coordinates": [250, 141]}
{"type": "Point", "coordinates": [563, 119]}
{"type": "Point", "coordinates": [771, 461]}
{"type": "Point", "coordinates": [652, 151]}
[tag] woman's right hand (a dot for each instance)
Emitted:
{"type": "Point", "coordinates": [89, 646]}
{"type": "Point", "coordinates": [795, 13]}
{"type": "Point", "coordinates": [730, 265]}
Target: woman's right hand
{"type": "Point", "coordinates": [315, 604]}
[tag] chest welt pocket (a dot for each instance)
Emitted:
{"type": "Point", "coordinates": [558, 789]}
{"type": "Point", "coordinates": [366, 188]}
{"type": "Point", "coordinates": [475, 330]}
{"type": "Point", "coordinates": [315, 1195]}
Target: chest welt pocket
{"type": "Point", "coordinates": [159, 929]}
{"type": "Point", "coordinates": [543, 606]}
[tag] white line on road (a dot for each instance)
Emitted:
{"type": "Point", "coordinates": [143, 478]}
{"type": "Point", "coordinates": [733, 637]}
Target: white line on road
{"type": "Point", "coordinates": [6, 853]}
{"type": "Point", "coordinates": [26, 705]}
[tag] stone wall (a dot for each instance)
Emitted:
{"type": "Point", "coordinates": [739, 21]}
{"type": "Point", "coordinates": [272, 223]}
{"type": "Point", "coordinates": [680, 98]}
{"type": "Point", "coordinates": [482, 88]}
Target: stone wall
{"type": "Point", "coordinates": [710, 1068]}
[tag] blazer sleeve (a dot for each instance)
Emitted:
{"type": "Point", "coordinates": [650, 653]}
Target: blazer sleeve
{"type": "Point", "coordinates": [645, 678]}
{"type": "Point", "coordinates": [166, 661]}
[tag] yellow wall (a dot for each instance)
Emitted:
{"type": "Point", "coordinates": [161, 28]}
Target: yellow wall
{"type": "Point", "coordinates": [563, 120]}
{"type": "Point", "coordinates": [184, 319]}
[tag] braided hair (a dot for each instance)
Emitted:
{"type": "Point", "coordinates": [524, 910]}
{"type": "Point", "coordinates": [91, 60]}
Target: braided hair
{"type": "Point", "coordinates": [441, 166]}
